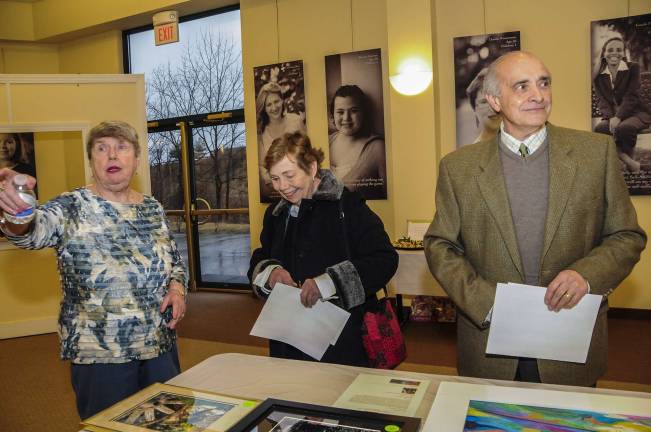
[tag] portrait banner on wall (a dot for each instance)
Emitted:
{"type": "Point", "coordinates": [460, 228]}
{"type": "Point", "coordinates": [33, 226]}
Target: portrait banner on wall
{"type": "Point", "coordinates": [621, 93]}
{"type": "Point", "coordinates": [475, 119]}
{"type": "Point", "coordinates": [280, 109]}
{"type": "Point", "coordinates": [17, 153]}
{"type": "Point", "coordinates": [356, 121]}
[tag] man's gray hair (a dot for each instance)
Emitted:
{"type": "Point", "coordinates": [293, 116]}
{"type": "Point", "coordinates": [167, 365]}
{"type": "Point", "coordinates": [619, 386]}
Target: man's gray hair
{"type": "Point", "coordinates": [492, 81]}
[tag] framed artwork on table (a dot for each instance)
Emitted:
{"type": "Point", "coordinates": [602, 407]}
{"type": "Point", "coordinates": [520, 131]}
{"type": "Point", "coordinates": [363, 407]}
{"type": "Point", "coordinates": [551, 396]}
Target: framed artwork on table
{"type": "Point", "coordinates": [478, 407]}
{"type": "Point", "coordinates": [275, 415]}
{"type": "Point", "coordinates": [163, 407]}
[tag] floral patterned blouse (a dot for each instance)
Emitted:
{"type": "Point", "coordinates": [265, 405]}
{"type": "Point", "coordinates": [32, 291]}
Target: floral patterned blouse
{"type": "Point", "coordinates": [116, 262]}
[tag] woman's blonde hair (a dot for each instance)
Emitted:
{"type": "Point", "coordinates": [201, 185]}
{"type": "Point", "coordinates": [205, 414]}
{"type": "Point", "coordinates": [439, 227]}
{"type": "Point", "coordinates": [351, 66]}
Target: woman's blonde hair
{"type": "Point", "coordinates": [262, 118]}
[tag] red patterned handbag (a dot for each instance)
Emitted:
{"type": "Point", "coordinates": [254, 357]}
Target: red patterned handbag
{"type": "Point", "coordinates": [381, 334]}
{"type": "Point", "coordinates": [382, 337]}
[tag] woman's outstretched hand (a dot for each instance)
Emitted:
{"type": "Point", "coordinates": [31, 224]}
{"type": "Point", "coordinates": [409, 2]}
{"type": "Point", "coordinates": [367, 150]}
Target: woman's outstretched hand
{"type": "Point", "coordinates": [9, 199]}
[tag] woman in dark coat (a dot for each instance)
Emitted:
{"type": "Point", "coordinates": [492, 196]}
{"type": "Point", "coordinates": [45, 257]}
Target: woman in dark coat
{"type": "Point", "coordinates": [322, 239]}
{"type": "Point", "coordinates": [624, 113]}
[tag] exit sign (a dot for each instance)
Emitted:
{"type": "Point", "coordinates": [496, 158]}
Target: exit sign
{"type": "Point", "coordinates": [166, 33]}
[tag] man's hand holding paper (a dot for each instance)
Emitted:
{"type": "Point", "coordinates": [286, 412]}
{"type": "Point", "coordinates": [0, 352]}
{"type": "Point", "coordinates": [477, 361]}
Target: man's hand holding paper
{"type": "Point", "coordinates": [566, 290]}
{"type": "Point", "coordinates": [522, 325]}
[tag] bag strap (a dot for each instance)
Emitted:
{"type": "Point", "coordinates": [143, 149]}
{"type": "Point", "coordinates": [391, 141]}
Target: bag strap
{"type": "Point", "coordinates": [342, 218]}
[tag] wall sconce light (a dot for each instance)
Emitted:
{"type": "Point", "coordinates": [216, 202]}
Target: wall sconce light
{"type": "Point", "coordinates": [413, 77]}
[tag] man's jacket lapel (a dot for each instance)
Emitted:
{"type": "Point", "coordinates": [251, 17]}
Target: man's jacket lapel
{"type": "Point", "coordinates": [491, 184]}
{"type": "Point", "coordinates": [562, 170]}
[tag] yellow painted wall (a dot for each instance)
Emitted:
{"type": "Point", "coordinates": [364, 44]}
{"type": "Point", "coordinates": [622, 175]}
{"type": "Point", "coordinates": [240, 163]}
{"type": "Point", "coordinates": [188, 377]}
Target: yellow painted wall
{"type": "Point", "coordinates": [16, 21]}
{"type": "Point", "coordinates": [24, 58]}
{"type": "Point", "coordinates": [413, 130]}
{"type": "Point", "coordinates": [75, 154]}
{"type": "Point", "coordinates": [55, 17]}
{"type": "Point", "coordinates": [4, 109]}
{"type": "Point", "coordinates": [100, 53]}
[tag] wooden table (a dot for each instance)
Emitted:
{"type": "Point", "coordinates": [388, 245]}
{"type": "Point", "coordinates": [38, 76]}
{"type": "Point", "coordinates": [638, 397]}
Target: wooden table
{"type": "Point", "coordinates": [248, 376]}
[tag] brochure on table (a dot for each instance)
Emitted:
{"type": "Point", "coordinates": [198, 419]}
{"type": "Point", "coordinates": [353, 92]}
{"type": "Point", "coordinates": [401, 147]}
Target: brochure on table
{"type": "Point", "coordinates": [384, 394]}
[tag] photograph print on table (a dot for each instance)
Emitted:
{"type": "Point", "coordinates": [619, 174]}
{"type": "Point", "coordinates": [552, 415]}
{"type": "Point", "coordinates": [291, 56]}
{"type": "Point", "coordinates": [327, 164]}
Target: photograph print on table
{"type": "Point", "coordinates": [171, 412]}
{"type": "Point", "coordinates": [167, 408]}
{"type": "Point", "coordinates": [279, 415]}
{"type": "Point", "coordinates": [298, 424]}
{"type": "Point", "coordinates": [509, 417]}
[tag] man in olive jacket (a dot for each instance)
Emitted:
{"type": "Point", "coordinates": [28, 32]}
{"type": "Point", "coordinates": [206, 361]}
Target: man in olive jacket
{"type": "Point", "coordinates": [539, 204]}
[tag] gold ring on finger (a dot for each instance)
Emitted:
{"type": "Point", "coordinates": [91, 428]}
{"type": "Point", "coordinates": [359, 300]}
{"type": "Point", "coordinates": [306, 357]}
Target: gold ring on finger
{"type": "Point", "coordinates": [568, 295]}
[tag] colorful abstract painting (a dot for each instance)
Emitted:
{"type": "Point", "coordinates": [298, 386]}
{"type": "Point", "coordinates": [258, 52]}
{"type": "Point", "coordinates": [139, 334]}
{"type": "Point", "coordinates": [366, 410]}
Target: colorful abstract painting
{"type": "Point", "coordinates": [497, 416]}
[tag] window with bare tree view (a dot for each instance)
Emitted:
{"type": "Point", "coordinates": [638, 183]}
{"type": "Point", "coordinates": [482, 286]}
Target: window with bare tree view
{"type": "Point", "coordinates": [191, 81]}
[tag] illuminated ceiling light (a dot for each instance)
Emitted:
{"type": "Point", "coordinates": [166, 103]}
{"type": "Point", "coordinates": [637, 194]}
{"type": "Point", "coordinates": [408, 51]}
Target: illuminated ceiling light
{"type": "Point", "coordinates": [413, 77]}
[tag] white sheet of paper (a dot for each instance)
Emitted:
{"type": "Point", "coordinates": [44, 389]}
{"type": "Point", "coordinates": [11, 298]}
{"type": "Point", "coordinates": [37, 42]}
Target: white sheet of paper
{"type": "Point", "coordinates": [522, 326]}
{"type": "Point", "coordinates": [311, 330]}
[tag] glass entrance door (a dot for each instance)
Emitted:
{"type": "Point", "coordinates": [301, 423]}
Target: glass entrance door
{"type": "Point", "coordinates": [221, 204]}
{"type": "Point", "coordinates": [211, 224]}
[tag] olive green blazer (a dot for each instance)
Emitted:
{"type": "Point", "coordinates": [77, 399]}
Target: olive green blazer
{"type": "Point", "coordinates": [591, 227]}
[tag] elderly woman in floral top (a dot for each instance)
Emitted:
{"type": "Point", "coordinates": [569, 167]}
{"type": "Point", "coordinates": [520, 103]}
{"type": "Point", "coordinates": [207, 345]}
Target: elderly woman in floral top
{"type": "Point", "coordinates": [123, 279]}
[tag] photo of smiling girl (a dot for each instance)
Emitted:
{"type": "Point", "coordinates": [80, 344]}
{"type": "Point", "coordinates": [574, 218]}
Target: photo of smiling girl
{"type": "Point", "coordinates": [357, 154]}
{"type": "Point", "coordinates": [356, 122]}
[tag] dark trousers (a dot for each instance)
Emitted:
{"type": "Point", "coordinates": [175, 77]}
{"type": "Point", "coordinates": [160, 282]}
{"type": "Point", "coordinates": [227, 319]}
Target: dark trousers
{"type": "Point", "coordinates": [625, 133]}
{"type": "Point", "coordinates": [100, 385]}
{"type": "Point", "coordinates": [527, 370]}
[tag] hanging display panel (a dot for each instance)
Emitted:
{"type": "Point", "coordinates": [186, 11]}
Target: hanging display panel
{"type": "Point", "coordinates": [621, 93]}
{"type": "Point", "coordinates": [279, 109]}
{"type": "Point", "coordinates": [356, 121]}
